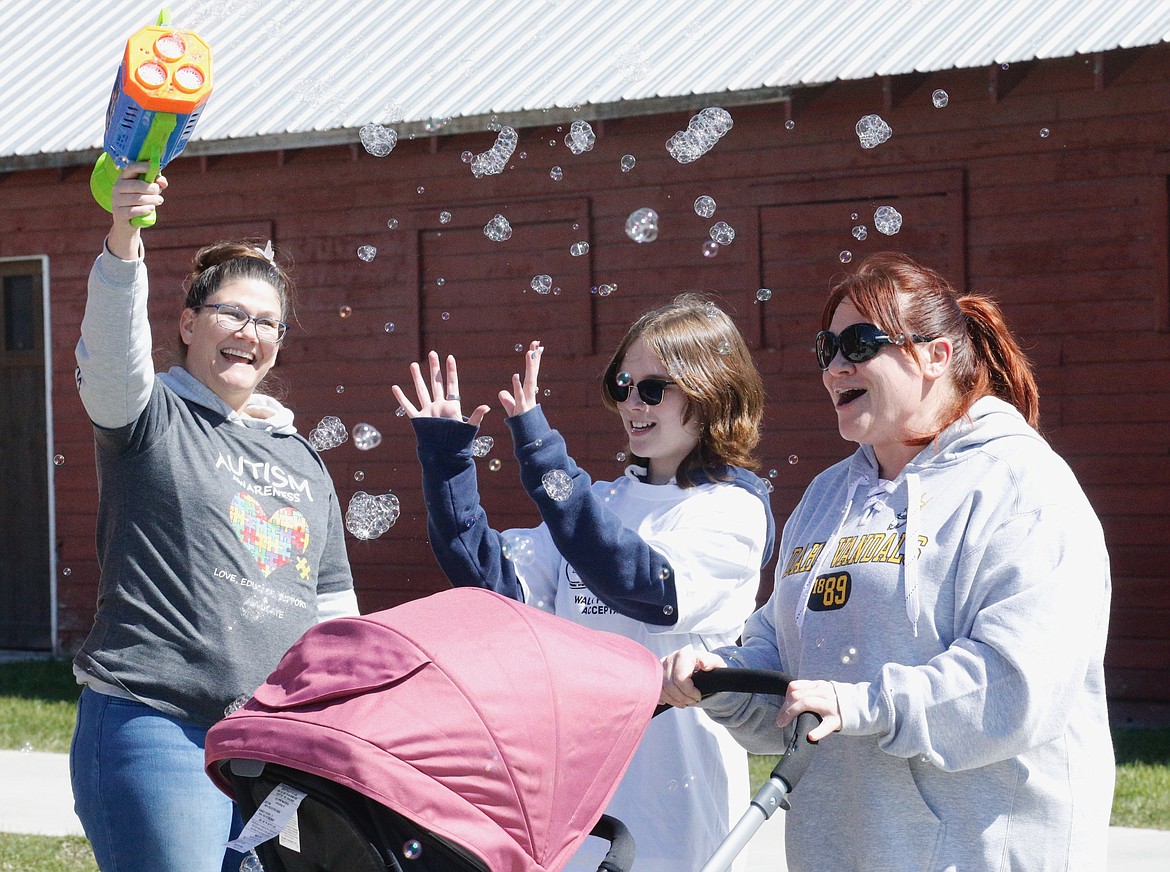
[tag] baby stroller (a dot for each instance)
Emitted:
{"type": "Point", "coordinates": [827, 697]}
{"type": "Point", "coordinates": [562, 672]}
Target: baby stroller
{"type": "Point", "coordinates": [462, 732]}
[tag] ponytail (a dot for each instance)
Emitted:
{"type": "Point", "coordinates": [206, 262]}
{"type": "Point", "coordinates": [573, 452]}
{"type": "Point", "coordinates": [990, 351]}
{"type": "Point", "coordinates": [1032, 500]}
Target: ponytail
{"type": "Point", "coordinates": [1003, 371]}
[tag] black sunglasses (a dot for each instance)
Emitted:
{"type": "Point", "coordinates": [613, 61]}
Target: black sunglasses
{"type": "Point", "coordinates": [649, 389]}
{"type": "Point", "coordinates": [857, 343]}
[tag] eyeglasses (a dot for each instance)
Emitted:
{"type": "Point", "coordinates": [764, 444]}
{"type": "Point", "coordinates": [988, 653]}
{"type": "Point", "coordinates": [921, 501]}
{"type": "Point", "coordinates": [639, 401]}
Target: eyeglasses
{"type": "Point", "coordinates": [649, 389]}
{"type": "Point", "coordinates": [857, 343]}
{"type": "Point", "coordinates": [234, 318]}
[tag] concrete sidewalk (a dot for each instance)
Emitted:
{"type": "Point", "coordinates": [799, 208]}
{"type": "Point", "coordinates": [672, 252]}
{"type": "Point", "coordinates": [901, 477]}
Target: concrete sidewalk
{"type": "Point", "coordinates": [35, 797]}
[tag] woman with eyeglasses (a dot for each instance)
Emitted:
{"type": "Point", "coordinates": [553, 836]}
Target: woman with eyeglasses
{"type": "Point", "coordinates": [668, 554]}
{"type": "Point", "coordinates": [942, 597]}
{"type": "Point", "coordinates": [220, 541]}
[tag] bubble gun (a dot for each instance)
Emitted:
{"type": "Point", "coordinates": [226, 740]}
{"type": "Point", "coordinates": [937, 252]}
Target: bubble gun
{"type": "Point", "coordinates": [162, 86]}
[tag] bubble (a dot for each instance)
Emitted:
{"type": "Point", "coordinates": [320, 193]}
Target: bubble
{"type": "Point", "coordinates": [378, 140]}
{"type": "Point", "coordinates": [793, 460]}
{"type": "Point", "coordinates": [440, 281]}
{"type": "Point", "coordinates": [400, 412]}
{"type": "Point", "coordinates": [772, 473]}
{"type": "Point", "coordinates": [887, 220]}
{"type": "Point", "coordinates": [66, 572]}
{"type": "Point", "coordinates": [628, 162]}
{"type": "Point", "coordinates": [1044, 132]}
{"type": "Point", "coordinates": [251, 863]}
{"type": "Point", "coordinates": [389, 328]}
{"type": "Point", "coordinates": [547, 393]}
{"type": "Point", "coordinates": [556, 174]}
{"type": "Point", "coordinates": [664, 573]}
{"type": "Point", "coordinates": [668, 610]}
{"type": "Point", "coordinates": [724, 347]}
{"type": "Point", "coordinates": [369, 516]}
{"type": "Point", "coordinates": [579, 248]}
{"type": "Point", "coordinates": [498, 229]}
{"type": "Point", "coordinates": [853, 217]}
{"type": "Point", "coordinates": [366, 436]}
{"type": "Point", "coordinates": [624, 379]}
{"type": "Point", "coordinates": [820, 641]}
{"type": "Point", "coordinates": [236, 704]}
{"type": "Point", "coordinates": [677, 370]}
{"type": "Point", "coordinates": [446, 316]}
{"type": "Point", "coordinates": [557, 484]}
{"type": "Point", "coordinates": [940, 98]}
{"type": "Point", "coordinates": [444, 217]}
{"type": "Point", "coordinates": [605, 290]}
{"type": "Point", "coordinates": [467, 156]}
{"type": "Point", "coordinates": [763, 295]}
{"type": "Point", "coordinates": [849, 655]}
{"type": "Point", "coordinates": [344, 311]}
{"type": "Point", "coordinates": [872, 131]}
{"type": "Point", "coordinates": [621, 457]}
{"type": "Point", "coordinates": [845, 256]}
{"type": "Point", "coordinates": [764, 486]}
{"type": "Point", "coordinates": [359, 475]}
{"type": "Point", "coordinates": [329, 433]}
{"type": "Point", "coordinates": [703, 131]}
{"type": "Point", "coordinates": [722, 232]}
{"type": "Point", "coordinates": [412, 850]}
{"type": "Point", "coordinates": [58, 459]}
{"type": "Point", "coordinates": [26, 747]}
{"type": "Point", "coordinates": [704, 206]}
{"type": "Point", "coordinates": [419, 189]}
{"type": "Point", "coordinates": [789, 124]}
{"type": "Point", "coordinates": [642, 225]}
{"type": "Point", "coordinates": [481, 445]}
{"type": "Point", "coordinates": [542, 284]}
{"type": "Point", "coordinates": [392, 223]}
{"type": "Point", "coordinates": [860, 232]}
{"type": "Point", "coordinates": [710, 248]}
{"type": "Point", "coordinates": [493, 161]}
{"type": "Point", "coordinates": [341, 389]}
{"type": "Point", "coordinates": [366, 252]}
{"type": "Point", "coordinates": [494, 465]}
{"type": "Point", "coordinates": [580, 137]}
{"type": "Point", "coordinates": [518, 347]}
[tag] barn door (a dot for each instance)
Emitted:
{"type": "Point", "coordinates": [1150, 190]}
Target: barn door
{"type": "Point", "coordinates": [25, 573]}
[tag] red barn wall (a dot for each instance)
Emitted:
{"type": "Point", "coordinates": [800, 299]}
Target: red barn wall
{"type": "Point", "coordinates": [1067, 228]}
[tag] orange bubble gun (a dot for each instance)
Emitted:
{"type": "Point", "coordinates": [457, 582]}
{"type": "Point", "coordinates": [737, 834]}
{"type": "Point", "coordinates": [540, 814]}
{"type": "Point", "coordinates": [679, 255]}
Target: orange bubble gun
{"type": "Point", "coordinates": [162, 86]}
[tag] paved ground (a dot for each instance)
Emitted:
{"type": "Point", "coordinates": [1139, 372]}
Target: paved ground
{"type": "Point", "coordinates": [35, 797]}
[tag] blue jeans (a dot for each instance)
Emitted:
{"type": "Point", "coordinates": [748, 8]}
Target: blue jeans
{"type": "Point", "coordinates": [141, 793]}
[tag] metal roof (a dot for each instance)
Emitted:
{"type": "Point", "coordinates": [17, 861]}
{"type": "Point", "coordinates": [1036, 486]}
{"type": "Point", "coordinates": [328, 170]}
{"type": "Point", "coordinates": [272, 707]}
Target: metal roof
{"type": "Point", "coordinates": [292, 73]}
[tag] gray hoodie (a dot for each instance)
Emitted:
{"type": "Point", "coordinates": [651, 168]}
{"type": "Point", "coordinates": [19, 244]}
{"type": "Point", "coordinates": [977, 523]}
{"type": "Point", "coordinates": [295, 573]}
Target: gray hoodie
{"type": "Point", "coordinates": [968, 666]}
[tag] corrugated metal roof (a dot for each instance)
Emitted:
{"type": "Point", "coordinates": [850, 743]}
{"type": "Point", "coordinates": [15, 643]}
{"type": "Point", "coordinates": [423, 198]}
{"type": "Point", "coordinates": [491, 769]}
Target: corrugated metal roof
{"type": "Point", "coordinates": [303, 72]}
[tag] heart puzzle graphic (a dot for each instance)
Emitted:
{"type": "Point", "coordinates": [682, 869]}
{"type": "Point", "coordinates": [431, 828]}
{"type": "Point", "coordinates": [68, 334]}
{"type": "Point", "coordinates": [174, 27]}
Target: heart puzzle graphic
{"type": "Point", "coordinates": [273, 541]}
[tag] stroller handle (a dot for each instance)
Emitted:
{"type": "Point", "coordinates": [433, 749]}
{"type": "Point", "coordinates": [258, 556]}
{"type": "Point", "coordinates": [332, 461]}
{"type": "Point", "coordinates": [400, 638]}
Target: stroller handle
{"type": "Point", "coordinates": [799, 752]}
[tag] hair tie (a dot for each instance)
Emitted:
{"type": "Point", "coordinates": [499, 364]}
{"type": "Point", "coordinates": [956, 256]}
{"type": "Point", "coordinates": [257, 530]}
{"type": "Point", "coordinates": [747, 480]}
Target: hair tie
{"type": "Point", "coordinates": [266, 252]}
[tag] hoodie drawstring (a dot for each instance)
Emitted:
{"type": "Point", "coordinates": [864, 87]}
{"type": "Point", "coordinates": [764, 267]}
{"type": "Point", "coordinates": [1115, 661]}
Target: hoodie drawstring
{"type": "Point", "coordinates": [910, 557]}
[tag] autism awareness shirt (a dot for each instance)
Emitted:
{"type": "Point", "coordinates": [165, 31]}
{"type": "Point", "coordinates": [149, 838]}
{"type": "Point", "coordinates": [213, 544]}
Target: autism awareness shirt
{"type": "Point", "coordinates": [960, 611]}
{"type": "Point", "coordinates": [217, 533]}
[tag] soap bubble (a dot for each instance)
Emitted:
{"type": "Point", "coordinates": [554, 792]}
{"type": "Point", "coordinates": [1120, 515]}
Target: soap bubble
{"type": "Point", "coordinates": [789, 124]}
{"type": "Point", "coordinates": [359, 475]}
{"type": "Point", "coordinates": [845, 256]}
{"type": "Point", "coordinates": [628, 162]}
{"type": "Point", "coordinates": [642, 225]}
{"type": "Point", "coordinates": [344, 311]}
{"type": "Point", "coordinates": [366, 436]}
{"type": "Point", "coordinates": [763, 295]}
{"type": "Point", "coordinates": [557, 484]}
{"type": "Point", "coordinates": [703, 131]}
{"type": "Point", "coordinates": [542, 284]}
{"type": "Point", "coordinates": [412, 850]}
{"type": "Point", "coordinates": [623, 379]}
{"type": "Point", "coordinates": [494, 465]}
{"type": "Point", "coordinates": [518, 548]}
{"type": "Point", "coordinates": [860, 233]}
{"type": "Point", "coordinates": [378, 140]}
{"type": "Point", "coordinates": [392, 223]}
{"type": "Point", "coordinates": [498, 229]}
{"type": "Point", "coordinates": [389, 328]}
{"type": "Point", "coordinates": [793, 460]}
{"type": "Point", "coordinates": [467, 156]}
{"type": "Point", "coordinates": [872, 131]}
{"type": "Point", "coordinates": [1043, 132]}
{"type": "Point", "coordinates": [444, 217]}
{"type": "Point", "coordinates": [940, 98]}
{"type": "Point", "coordinates": [579, 248]}
{"type": "Point", "coordinates": [724, 347]}
{"type": "Point", "coordinates": [887, 220]}
{"type": "Point", "coordinates": [440, 281]}
{"type": "Point", "coordinates": [605, 290]}
{"type": "Point", "coordinates": [251, 863]}
{"type": "Point", "coordinates": [58, 459]}
{"type": "Point", "coordinates": [446, 316]}
{"type": "Point", "coordinates": [366, 252]}
{"type": "Point", "coordinates": [481, 446]}
{"type": "Point", "coordinates": [369, 516]}
{"type": "Point", "coordinates": [329, 433]}
{"type": "Point", "coordinates": [580, 137]}
{"type": "Point", "coordinates": [704, 206]}
{"type": "Point", "coordinates": [556, 174]}
{"type": "Point", "coordinates": [722, 232]}
{"type": "Point", "coordinates": [493, 161]}
{"type": "Point", "coordinates": [710, 248]}
{"type": "Point", "coordinates": [235, 705]}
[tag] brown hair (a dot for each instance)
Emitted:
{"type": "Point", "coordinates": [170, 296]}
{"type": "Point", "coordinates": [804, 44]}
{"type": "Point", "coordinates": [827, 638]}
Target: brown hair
{"type": "Point", "coordinates": [903, 297]}
{"type": "Point", "coordinates": [708, 359]}
{"type": "Point", "coordinates": [221, 262]}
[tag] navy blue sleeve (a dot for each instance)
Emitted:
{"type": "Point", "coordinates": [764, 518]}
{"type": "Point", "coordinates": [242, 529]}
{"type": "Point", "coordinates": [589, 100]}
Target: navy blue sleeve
{"type": "Point", "coordinates": [467, 549]}
{"type": "Point", "coordinates": [614, 562]}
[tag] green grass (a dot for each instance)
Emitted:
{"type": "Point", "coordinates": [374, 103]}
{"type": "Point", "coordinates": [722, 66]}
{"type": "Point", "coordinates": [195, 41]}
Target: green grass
{"type": "Point", "coordinates": [38, 705]}
{"type": "Point", "coordinates": [45, 854]}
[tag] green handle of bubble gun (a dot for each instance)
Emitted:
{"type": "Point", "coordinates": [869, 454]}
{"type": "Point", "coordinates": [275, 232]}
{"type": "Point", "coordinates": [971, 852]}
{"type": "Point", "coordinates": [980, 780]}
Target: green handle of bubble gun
{"type": "Point", "coordinates": [106, 171]}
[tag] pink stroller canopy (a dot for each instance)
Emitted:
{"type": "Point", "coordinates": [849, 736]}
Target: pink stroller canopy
{"type": "Point", "coordinates": [487, 721]}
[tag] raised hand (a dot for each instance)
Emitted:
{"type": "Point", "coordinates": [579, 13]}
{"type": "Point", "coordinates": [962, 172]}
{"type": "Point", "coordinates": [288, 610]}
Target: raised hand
{"type": "Point", "coordinates": [525, 392]}
{"type": "Point", "coordinates": [437, 395]}
{"type": "Point", "coordinates": [132, 197]}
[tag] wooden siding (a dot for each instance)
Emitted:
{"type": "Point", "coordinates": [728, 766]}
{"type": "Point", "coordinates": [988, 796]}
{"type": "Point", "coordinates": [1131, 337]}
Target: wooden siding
{"type": "Point", "coordinates": [1068, 230]}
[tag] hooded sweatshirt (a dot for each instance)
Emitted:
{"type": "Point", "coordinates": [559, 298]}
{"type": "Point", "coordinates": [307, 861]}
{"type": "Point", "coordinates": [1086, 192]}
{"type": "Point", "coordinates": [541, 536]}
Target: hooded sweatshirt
{"type": "Point", "coordinates": [961, 612]}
